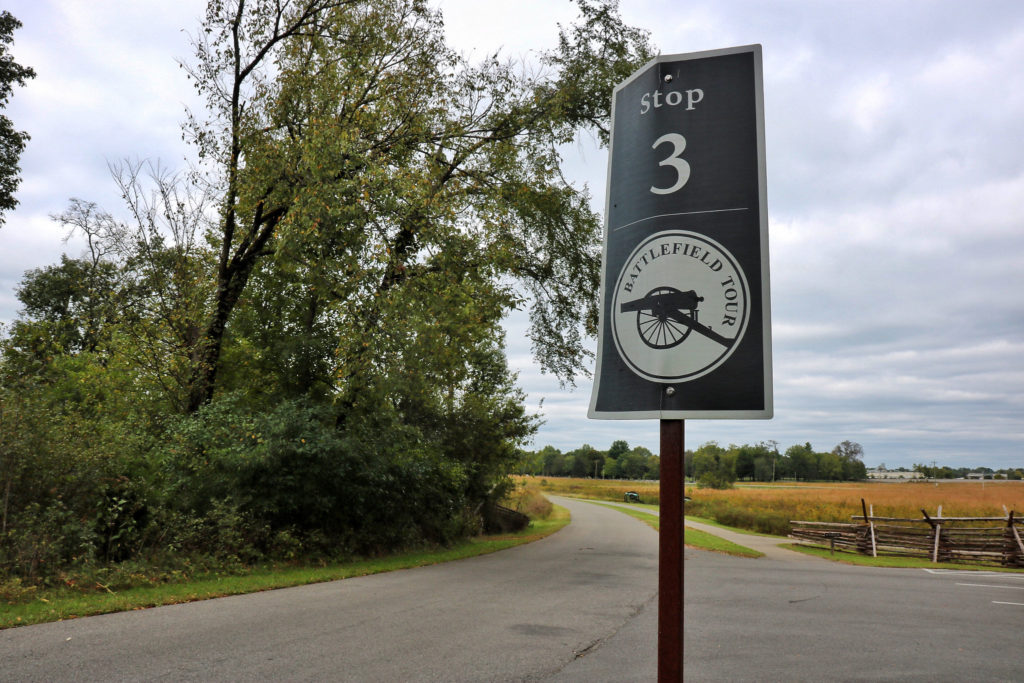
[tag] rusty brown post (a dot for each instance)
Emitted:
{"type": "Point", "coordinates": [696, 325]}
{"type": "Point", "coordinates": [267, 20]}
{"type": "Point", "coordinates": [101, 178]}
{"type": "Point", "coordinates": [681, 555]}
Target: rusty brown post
{"type": "Point", "coordinates": [670, 558]}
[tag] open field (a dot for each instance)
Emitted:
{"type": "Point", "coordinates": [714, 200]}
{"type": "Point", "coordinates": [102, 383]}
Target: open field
{"type": "Point", "coordinates": [769, 509]}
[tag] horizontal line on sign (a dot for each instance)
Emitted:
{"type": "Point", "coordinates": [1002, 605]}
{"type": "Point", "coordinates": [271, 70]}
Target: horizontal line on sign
{"type": "Point", "coordinates": [997, 602]}
{"type": "Point", "coordinates": [684, 213]}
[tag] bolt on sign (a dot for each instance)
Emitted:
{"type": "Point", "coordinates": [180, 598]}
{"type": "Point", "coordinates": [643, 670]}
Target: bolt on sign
{"type": "Point", "coordinates": [685, 309]}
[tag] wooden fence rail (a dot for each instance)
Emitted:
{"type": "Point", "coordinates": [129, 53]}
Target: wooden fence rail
{"type": "Point", "coordinates": [974, 540]}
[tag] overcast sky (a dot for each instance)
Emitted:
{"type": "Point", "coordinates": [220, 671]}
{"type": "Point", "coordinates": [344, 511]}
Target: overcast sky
{"type": "Point", "coordinates": [895, 138]}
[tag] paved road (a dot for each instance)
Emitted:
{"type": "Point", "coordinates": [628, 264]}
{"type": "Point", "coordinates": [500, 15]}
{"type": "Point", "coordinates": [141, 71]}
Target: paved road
{"type": "Point", "coordinates": [578, 606]}
{"type": "Point", "coordinates": [772, 620]}
{"type": "Point", "coordinates": [527, 613]}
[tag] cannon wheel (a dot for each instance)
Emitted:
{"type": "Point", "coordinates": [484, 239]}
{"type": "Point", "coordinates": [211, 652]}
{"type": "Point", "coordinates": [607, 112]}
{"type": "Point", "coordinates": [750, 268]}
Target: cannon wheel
{"type": "Point", "coordinates": [658, 330]}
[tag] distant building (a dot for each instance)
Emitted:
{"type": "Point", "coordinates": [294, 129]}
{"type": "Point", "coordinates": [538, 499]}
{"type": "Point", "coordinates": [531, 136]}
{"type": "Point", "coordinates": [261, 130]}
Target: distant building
{"type": "Point", "coordinates": [881, 473]}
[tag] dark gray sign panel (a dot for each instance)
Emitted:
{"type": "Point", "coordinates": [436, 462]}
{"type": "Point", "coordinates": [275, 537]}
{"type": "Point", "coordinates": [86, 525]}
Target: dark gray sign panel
{"type": "Point", "coordinates": [685, 308]}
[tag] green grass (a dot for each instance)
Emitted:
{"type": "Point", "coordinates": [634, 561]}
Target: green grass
{"type": "Point", "coordinates": [705, 541]}
{"type": "Point", "coordinates": [646, 506]}
{"type": "Point", "coordinates": [692, 537]}
{"type": "Point", "coordinates": [891, 561]}
{"type": "Point", "coordinates": [57, 605]}
{"type": "Point", "coordinates": [650, 520]}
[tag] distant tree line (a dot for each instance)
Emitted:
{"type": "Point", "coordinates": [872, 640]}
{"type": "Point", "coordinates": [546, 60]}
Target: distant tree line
{"type": "Point", "coordinates": [716, 466]}
{"type": "Point", "coordinates": [946, 472]}
{"type": "Point", "coordinates": [618, 462]}
{"type": "Point", "coordinates": [709, 465]}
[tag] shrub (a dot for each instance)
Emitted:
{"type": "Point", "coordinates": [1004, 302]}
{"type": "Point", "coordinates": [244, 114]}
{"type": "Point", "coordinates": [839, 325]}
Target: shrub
{"type": "Point", "coordinates": [714, 480]}
{"type": "Point", "coordinates": [530, 501]}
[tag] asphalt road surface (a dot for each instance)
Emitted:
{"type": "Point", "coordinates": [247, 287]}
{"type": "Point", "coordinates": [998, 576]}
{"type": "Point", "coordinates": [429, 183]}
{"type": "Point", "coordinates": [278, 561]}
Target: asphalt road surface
{"type": "Point", "coordinates": [577, 606]}
{"type": "Point", "coordinates": [778, 620]}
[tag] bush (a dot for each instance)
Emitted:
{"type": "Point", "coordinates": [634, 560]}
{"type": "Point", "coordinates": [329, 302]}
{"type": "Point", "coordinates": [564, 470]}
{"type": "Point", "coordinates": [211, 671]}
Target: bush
{"type": "Point", "coordinates": [43, 538]}
{"type": "Point", "coordinates": [714, 480]}
{"type": "Point", "coordinates": [530, 501]}
{"type": "Point", "coordinates": [736, 515]}
{"type": "Point", "coordinates": [290, 481]}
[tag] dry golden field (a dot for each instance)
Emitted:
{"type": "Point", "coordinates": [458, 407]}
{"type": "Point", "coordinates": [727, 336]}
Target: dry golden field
{"type": "Point", "coordinates": [903, 499]}
{"type": "Point", "coordinates": [770, 508]}
{"type": "Point", "coordinates": [598, 489]}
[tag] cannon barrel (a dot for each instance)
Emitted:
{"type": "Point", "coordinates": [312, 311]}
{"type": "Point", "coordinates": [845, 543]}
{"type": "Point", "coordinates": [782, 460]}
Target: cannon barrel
{"type": "Point", "coordinates": [667, 301]}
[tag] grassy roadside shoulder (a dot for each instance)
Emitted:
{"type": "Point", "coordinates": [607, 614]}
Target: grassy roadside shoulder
{"type": "Point", "coordinates": [57, 605]}
{"type": "Point", "coordinates": [693, 537]}
{"type": "Point", "coordinates": [734, 529]}
{"type": "Point", "coordinates": [892, 561]}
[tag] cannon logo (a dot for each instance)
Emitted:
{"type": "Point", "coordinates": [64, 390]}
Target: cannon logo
{"type": "Point", "coordinates": [680, 307]}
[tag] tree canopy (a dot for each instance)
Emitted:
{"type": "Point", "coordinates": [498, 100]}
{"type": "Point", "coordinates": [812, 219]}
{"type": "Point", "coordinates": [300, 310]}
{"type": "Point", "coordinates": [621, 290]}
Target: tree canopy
{"type": "Point", "coordinates": [12, 141]}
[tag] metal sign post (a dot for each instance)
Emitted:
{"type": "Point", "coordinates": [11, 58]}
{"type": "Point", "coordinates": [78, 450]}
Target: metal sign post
{"type": "Point", "coordinates": [670, 553]}
{"type": "Point", "coordinates": [685, 308]}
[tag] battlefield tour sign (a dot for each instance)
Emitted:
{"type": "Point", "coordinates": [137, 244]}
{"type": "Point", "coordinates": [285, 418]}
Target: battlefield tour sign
{"type": "Point", "coordinates": [685, 311]}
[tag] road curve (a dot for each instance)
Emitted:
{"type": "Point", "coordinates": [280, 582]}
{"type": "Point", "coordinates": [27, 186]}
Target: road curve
{"type": "Point", "coordinates": [769, 545]}
{"type": "Point", "coordinates": [527, 613]}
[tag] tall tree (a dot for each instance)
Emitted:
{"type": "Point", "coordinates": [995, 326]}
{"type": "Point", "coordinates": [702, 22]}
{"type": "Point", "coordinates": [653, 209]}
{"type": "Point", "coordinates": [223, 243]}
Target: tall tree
{"type": "Point", "coordinates": [352, 145]}
{"type": "Point", "coordinates": [12, 142]}
{"type": "Point", "coordinates": [849, 450]}
{"type": "Point", "coordinates": [851, 455]}
{"type": "Point", "coordinates": [618, 448]}
{"type": "Point", "coordinates": [802, 461]}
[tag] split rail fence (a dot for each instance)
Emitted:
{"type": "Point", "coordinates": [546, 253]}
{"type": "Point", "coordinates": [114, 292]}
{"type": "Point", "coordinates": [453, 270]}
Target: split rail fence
{"type": "Point", "coordinates": [974, 540]}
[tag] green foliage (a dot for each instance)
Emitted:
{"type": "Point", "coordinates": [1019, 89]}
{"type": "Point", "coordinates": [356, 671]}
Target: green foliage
{"type": "Point", "coordinates": [291, 474]}
{"type": "Point", "coordinates": [370, 163]}
{"type": "Point", "coordinates": [12, 142]}
{"type": "Point", "coordinates": [618, 448]}
{"type": "Point", "coordinates": [715, 480]}
{"type": "Point", "coordinates": [586, 461]}
{"type": "Point", "coordinates": [714, 466]}
{"type": "Point", "coordinates": [637, 464]}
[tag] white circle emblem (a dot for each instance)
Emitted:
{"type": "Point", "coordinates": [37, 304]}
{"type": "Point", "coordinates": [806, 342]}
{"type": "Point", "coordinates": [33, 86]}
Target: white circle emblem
{"type": "Point", "coordinates": [680, 307]}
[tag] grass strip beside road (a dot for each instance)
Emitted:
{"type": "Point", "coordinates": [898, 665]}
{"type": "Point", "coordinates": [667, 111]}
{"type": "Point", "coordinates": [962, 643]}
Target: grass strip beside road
{"type": "Point", "coordinates": [692, 537]}
{"type": "Point", "coordinates": [57, 605]}
{"type": "Point", "coordinates": [702, 540]}
{"type": "Point", "coordinates": [650, 520]}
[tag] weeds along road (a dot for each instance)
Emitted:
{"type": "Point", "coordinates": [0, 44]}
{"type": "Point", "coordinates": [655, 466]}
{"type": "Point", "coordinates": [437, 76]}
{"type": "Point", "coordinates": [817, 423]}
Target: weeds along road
{"type": "Point", "coordinates": [519, 614]}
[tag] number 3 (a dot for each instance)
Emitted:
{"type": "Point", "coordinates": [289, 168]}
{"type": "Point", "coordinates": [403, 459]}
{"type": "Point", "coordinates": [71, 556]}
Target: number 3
{"type": "Point", "coordinates": [673, 160]}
